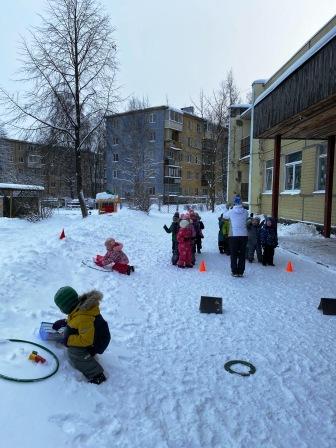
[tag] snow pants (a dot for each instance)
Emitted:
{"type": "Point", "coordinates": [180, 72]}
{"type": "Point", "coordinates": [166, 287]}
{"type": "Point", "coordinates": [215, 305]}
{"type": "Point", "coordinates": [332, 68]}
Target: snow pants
{"type": "Point", "coordinates": [223, 246]}
{"type": "Point", "coordinates": [121, 268]}
{"type": "Point", "coordinates": [175, 252]}
{"type": "Point", "coordinates": [238, 252]}
{"type": "Point", "coordinates": [268, 254]}
{"type": "Point", "coordinates": [185, 254]}
{"type": "Point", "coordinates": [81, 359]}
{"type": "Point", "coordinates": [251, 248]}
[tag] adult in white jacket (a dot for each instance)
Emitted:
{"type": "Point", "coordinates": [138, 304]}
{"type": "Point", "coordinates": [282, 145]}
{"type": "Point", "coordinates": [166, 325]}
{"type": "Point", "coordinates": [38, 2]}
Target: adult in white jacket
{"type": "Point", "coordinates": [237, 236]}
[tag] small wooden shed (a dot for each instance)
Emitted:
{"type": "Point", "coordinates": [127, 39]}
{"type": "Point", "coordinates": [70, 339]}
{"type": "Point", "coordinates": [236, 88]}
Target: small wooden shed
{"type": "Point", "coordinates": [19, 199]}
{"type": "Point", "coordinates": [107, 202]}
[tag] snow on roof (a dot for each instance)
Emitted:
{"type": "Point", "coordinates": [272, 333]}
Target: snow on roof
{"type": "Point", "coordinates": [105, 195]}
{"type": "Point", "coordinates": [260, 81]}
{"type": "Point", "coordinates": [300, 61]}
{"type": "Point", "coordinates": [21, 187]}
{"type": "Point", "coordinates": [240, 106]}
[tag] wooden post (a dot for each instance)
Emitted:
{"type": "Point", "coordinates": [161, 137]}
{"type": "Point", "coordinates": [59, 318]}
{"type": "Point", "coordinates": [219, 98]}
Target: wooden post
{"type": "Point", "coordinates": [276, 177]}
{"type": "Point", "coordinates": [329, 186]}
{"type": "Point", "coordinates": [11, 204]}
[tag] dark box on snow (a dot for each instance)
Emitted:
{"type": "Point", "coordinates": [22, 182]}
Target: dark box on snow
{"type": "Point", "coordinates": [328, 306]}
{"type": "Point", "coordinates": [211, 305]}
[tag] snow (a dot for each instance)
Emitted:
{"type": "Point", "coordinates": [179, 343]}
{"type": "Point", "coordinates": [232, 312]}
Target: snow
{"type": "Point", "coordinates": [103, 195]}
{"type": "Point", "coordinates": [5, 186]}
{"type": "Point", "coordinates": [167, 386]}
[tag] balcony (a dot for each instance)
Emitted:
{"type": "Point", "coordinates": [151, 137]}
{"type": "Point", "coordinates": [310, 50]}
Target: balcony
{"type": "Point", "coordinates": [245, 147]}
{"type": "Point", "coordinates": [172, 162]}
{"type": "Point", "coordinates": [172, 172]}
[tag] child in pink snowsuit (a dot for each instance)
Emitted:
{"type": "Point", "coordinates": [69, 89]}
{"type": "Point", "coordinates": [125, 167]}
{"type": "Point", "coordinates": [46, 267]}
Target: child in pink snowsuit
{"type": "Point", "coordinates": [114, 259]}
{"type": "Point", "coordinates": [185, 241]}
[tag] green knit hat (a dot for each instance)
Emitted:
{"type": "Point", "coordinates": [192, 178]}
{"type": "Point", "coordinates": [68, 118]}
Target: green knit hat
{"type": "Point", "coordinates": [66, 299]}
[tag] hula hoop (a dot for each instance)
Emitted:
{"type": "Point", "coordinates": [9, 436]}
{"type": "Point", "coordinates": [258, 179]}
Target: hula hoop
{"type": "Point", "coordinates": [227, 367]}
{"type": "Point", "coordinates": [32, 380]}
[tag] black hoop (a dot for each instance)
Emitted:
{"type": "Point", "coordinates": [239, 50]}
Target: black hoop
{"type": "Point", "coordinates": [227, 367]}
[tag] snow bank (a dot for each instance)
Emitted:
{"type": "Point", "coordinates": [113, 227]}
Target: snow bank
{"type": "Point", "coordinates": [298, 228]}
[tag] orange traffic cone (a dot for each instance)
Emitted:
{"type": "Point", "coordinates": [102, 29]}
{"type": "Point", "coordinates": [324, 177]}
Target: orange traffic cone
{"type": "Point", "coordinates": [62, 235]}
{"type": "Point", "coordinates": [202, 267]}
{"type": "Point", "coordinates": [289, 267]}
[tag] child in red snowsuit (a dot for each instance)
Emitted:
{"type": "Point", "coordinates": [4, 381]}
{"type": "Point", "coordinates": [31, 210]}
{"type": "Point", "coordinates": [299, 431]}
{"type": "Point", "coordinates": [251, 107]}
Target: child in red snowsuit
{"type": "Point", "coordinates": [185, 241]}
{"type": "Point", "coordinates": [114, 259]}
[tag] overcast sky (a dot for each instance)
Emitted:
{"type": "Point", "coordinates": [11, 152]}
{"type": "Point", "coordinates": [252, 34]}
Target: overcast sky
{"type": "Point", "coordinates": [173, 48]}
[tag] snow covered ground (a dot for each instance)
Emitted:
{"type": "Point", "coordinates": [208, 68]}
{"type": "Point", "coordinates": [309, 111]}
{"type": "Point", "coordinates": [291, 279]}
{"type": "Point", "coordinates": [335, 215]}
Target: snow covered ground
{"type": "Point", "coordinates": [167, 387]}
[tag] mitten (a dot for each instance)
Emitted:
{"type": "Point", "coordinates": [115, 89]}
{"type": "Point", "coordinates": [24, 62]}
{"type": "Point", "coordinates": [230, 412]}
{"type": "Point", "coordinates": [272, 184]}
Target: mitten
{"type": "Point", "coordinates": [59, 324]}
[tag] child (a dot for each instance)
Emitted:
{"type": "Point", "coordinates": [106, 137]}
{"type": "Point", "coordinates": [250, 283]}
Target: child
{"type": "Point", "coordinates": [223, 235]}
{"type": "Point", "coordinates": [199, 227]}
{"type": "Point", "coordinates": [269, 241]}
{"type": "Point", "coordinates": [253, 241]}
{"type": "Point", "coordinates": [86, 332]}
{"type": "Point", "coordinates": [185, 242]}
{"type": "Point", "coordinates": [173, 229]}
{"type": "Point", "coordinates": [114, 259]}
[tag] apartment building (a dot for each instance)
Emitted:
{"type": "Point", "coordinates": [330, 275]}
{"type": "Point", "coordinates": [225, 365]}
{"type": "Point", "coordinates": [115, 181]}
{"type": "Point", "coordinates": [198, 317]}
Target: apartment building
{"type": "Point", "coordinates": [280, 145]}
{"type": "Point", "coordinates": [53, 168]}
{"type": "Point", "coordinates": [163, 148]}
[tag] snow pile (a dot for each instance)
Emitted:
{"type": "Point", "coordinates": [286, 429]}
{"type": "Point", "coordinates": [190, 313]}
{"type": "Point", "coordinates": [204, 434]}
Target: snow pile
{"type": "Point", "coordinates": [298, 228]}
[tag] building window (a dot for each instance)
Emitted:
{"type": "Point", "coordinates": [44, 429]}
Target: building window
{"type": "Point", "coordinates": [189, 158]}
{"type": "Point", "coordinates": [175, 116]}
{"type": "Point", "coordinates": [198, 127]}
{"type": "Point", "coordinates": [151, 190]}
{"type": "Point", "coordinates": [21, 159]}
{"type": "Point", "coordinates": [116, 157]}
{"type": "Point", "coordinates": [196, 159]}
{"type": "Point", "coordinates": [268, 175]}
{"type": "Point", "coordinates": [115, 173]}
{"type": "Point", "coordinates": [115, 141]}
{"type": "Point", "coordinates": [197, 176]}
{"type": "Point", "coordinates": [188, 175]}
{"type": "Point", "coordinates": [152, 119]}
{"type": "Point", "coordinates": [196, 191]}
{"type": "Point", "coordinates": [189, 141]}
{"type": "Point", "coordinates": [190, 125]}
{"type": "Point", "coordinates": [205, 191]}
{"type": "Point", "coordinates": [152, 136]}
{"type": "Point", "coordinates": [321, 167]}
{"type": "Point", "coordinates": [115, 123]}
{"type": "Point", "coordinates": [293, 171]}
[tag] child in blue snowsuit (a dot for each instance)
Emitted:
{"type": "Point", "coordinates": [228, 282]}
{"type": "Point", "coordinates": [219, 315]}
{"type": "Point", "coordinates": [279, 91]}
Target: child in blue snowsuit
{"type": "Point", "coordinates": [173, 229]}
{"type": "Point", "coordinates": [269, 241]}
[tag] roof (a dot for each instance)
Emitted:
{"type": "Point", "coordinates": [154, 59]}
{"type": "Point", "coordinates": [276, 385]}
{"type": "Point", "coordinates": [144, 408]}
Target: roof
{"type": "Point", "coordinates": [298, 63]}
{"type": "Point", "coordinates": [4, 186]}
{"type": "Point", "coordinates": [240, 106]}
{"type": "Point", "coordinates": [104, 196]}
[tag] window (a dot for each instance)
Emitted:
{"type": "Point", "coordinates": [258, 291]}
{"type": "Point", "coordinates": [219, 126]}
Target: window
{"type": "Point", "coordinates": [115, 141]}
{"type": "Point", "coordinates": [196, 191]}
{"type": "Point", "coordinates": [268, 175]}
{"type": "Point", "coordinates": [21, 159]}
{"type": "Point", "coordinates": [196, 159]}
{"type": "Point", "coordinates": [205, 191]}
{"type": "Point", "coordinates": [198, 128]}
{"type": "Point", "coordinates": [321, 167]}
{"type": "Point", "coordinates": [189, 158]}
{"type": "Point", "coordinates": [189, 141]}
{"type": "Point", "coordinates": [115, 173]}
{"type": "Point", "coordinates": [33, 159]}
{"type": "Point", "coordinates": [175, 116]}
{"type": "Point", "coordinates": [152, 136]}
{"type": "Point", "coordinates": [293, 171]}
{"type": "Point", "coordinates": [152, 119]}
{"type": "Point", "coordinates": [116, 157]}
{"type": "Point", "coordinates": [188, 175]}
{"type": "Point", "coordinates": [190, 125]}
{"type": "Point", "coordinates": [197, 176]}
{"type": "Point", "coordinates": [151, 190]}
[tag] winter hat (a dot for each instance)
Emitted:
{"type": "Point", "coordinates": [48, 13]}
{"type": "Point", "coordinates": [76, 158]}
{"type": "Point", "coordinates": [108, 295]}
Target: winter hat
{"type": "Point", "coordinates": [237, 200]}
{"type": "Point", "coordinates": [66, 299]}
{"type": "Point", "coordinates": [176, 215]}
{"type": "Point", "coordinates": [184, 223]}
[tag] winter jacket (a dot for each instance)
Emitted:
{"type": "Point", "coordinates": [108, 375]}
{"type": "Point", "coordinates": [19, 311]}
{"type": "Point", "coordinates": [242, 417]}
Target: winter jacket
{"type": "Point", "coordinates": [224, 228]}
{"type": "Point", "coordinates": [116, 255]}
{"type": "Point", "coordinates": [268, 234]}
{"type": "Point", "coordinates": [185, 240]}
{"type": "Point", "coordinates": [253, 233]}
{"type": "Point", "coordinates": [238, 217]}
{"type": "Point", "coordinates": [173, 229]}
{"type": "Point", "coordinates": [86, 326]}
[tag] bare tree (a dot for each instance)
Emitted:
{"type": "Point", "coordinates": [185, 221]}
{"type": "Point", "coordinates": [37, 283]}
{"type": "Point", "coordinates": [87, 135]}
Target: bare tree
{"type": "Point", "coordinates": [139, 167]}
{"type": "Point", "coordinates": [215, 109]}
{"type": "Point", "coordinates": [70, 64]}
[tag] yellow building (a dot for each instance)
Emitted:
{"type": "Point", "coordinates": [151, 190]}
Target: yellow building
{"type": "Point", "coordinates": [303, 138]}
